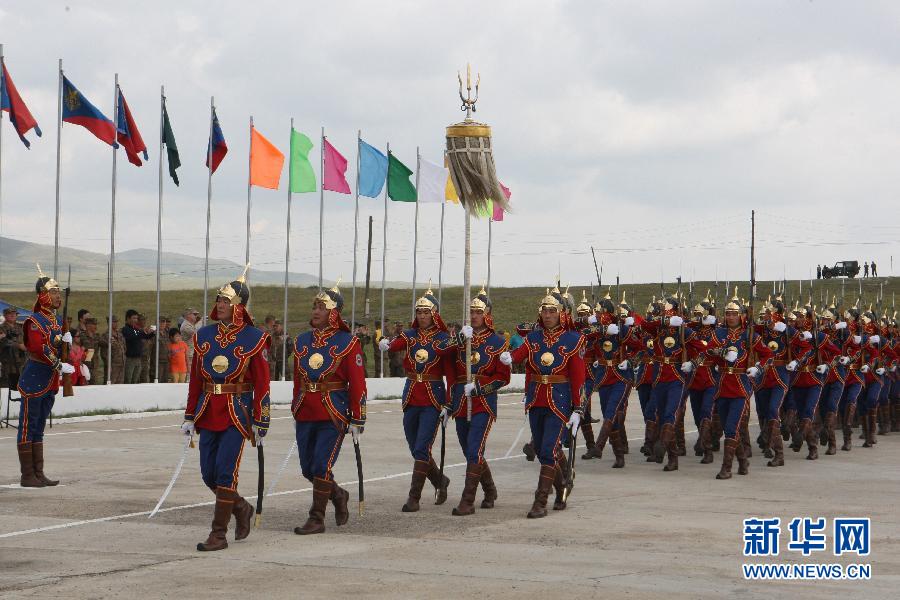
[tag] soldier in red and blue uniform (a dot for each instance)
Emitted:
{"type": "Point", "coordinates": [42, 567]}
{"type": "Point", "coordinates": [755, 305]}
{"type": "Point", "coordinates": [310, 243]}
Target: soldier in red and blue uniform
{"type": "Point", "coordinates": [554, 361]}
{"type": "Point", "coordinates": [873, 370]}
{"type": "Point", "coordinates": [643, 380]}
{"type": "Point", "coordinates": [428, 361]}
{"type": "Point", "coordinates": [892, 373]}
{"type": "Point", "coordinates": [735, 355]}
{"type": "Point", "coordinates": [848, 368]}
{"type": "Point", "coordinates": [833, 387]}
{"type": "Point", "coordinates": [228, 403]}
{"type": "Point", "coordinates": [888, 356]}
{"type": "Point", "coordinates": [329, 398]}
{"type": "Point", "coordinates": [39, 381]}
{"type": "Point", "coordinates": [584, 313]}
{"type": "Point", "coordinates": [702, 385]}
{"type": "Point", "coordinates": [474, 403]}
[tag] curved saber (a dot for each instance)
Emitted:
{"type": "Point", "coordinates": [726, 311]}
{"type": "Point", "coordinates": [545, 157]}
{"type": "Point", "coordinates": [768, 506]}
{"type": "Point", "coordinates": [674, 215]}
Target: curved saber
{"type": "Point", "coordinates": [188, 444]}
{"type": "Point", "coordinates": [281, 469]}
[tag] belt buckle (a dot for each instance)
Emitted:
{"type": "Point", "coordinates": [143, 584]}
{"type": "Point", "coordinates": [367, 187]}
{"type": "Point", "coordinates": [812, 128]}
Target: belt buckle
{"type": "Point", "coordinates": [419, 377]}
{"type": "Point", "coordinates": [544, 379]}
{"type": "Point", "coordinates": [217, 388]}
{"type": "Point", "coordinates": [313, 387]}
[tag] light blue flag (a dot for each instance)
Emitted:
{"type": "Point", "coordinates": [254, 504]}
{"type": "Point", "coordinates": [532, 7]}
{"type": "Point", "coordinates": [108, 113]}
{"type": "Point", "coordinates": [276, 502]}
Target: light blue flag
{"type": "Point", "coordinates": [373, 166]}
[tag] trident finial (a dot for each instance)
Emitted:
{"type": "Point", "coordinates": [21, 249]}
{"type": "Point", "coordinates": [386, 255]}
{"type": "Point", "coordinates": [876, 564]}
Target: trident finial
{"type": "Point", "coordinates": [468, 103]}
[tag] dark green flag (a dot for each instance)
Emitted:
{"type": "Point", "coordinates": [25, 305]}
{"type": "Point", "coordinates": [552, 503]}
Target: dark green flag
{"type": "Point", "coordinates": [400, 188]}
{"type": "Point", "coordinates": [171, 147]}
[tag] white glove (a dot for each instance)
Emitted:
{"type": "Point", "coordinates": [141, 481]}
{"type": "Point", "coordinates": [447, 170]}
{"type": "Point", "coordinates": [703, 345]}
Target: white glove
{"type": "Point", "coordinates": [857, 339]}
{"type": "Point", "coordinates": [355, 432]}
{"type": "Point", "coordinates": [506, 358]}
{"type": "Point", "coordinates": [676, 321]}
{"type": "Point", "coordinates": [574, 421]}
{"type": "Point", "coordinates": [85, 372]}
{"type": "Point", "coordinates": [623, 366]}
{"type": "Point", "coordinates": [687, 366]}
{"type": "Point", "coordinates": [67, 337]}
{"type": "Point", "coordinates": [709, 320]}
{"type": "Point", "coordinates": [592, 319]}
{"type": "Point", "coordinates": [822, 369]}
{"type": "Point", "coordinates": [384, 344]}
{"type": "Point", "coordinates": [629, 321]}
{"type": "Point", "coordinates": [864, 369]}
{"type": "Point", "coordinates": [612, 329]}
{"type": "Point", "coordinates": [66, 368]}
{"type": "Point", "coordinates": [187, 428]}
{"type": "Point", "coordinates": [874, 340]}
{"type": "Point", "coordinates": [152, 328]}
{"type": "Point", "coordinates": [840, 325]}
{"type": "Point", "coordinates": [879, 371]}
{"type": "Point", "coordinates": [753, 372]}
{"type": "Point", "coordinates": [894, 369]}
{"type": "Point", "coordinates": [844, 360]}
{"type": "Point", "coordinates": [779, 326]}
{"type": "Point", "coordinates": [469, 388]}
{"type": "Point", "coordinates": [791, 366]}
{"type": "Point", "coordinates": [731, 356]}
{"type": "Point", "coordinates": [445, 415]}
{"type": "Point", "coordinates": [806, 335]}
{"type": "Point", "coordinates": [257, 438]}
{"type": "Point", "coordinates": [466, 330]}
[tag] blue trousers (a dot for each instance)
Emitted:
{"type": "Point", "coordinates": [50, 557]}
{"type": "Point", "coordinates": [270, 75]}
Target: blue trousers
{"type": "Point", "coordinates": [648, 409]}
{"type": "Point", "coordinates": [806, 400]}
{"type": "Point", "coordinates": [220, 457]}
{"type": "Point", "coordinates": [33, 415]}
{"type": "Point", "coordinates": [869, 399]}
{"type": "Point", "coordinates": [884, 398]}
{"type": "Point", "coordinates": [473, 435]}
{"type": "Point", "coordinates": [831, 397]}
{"type": "Point", "coordinates": [318, 444]}
{"type": "Point", "coordinates": [420, 425]}
{"type": "Point", "coordinates": [769, 401]}
{"type": "Point", "coordinates": [613, 399]}
{"type": "Point", "coordinates": [668, 397]}
{"type": "Point", "coordinates": [849, 399]}
{"type": "Point", "coordinates": [546, 432]}
{"type": "Point", "coordinates": [702, 404]}
{"type": "Point", "coordinates": [731, 412]}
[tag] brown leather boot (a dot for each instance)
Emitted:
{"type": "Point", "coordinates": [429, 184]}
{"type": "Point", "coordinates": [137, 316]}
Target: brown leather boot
{"type": "Point", "coordinates": [339, 499]}
{"type": "Point", "coordinates": [487, 484]}
{"type": "Point", "coordinates": [528, 451]}
{"type": "Point", "coordinates": [680, 444]}
{"type": "Point", "coordinates": [788, 424]}
{"type": "Point", "coordinates": [26, 464]}
{"type": "Point", "coordinates": [717, 432]}
{"type": "Point", "coordinates": [602, 437]}
{"type": "Point", "coordinates": [895, 416]}
{"type": "Point", "coordinates": [470, 488]}
{"type": "Point", "coordinates": [649, 436]}
{"type": "Point", "coordinates": [829, 433]}
{"type": "Point", "coordinates": [727, 459]}
{"type": "Point", "coordinates": [316, 521]}
{"type": "Point", "coordinates": [559, 482]}
{"type": "Point", "coordinates": [243, 512]}
{"type": "Point", "coordinates": [669, 440]}
{"type": "Point", "coordinates": [657, 448]}
{"type": "Point", "coordinates": [847, 428]}
{"type": "Point", "coordinates": [863, 419]}
{"type": "Point", "coordinates": [37, 454]}
{"type": "Point", "coordinates": [545, 482]}
{"type": "Point", "coordinates": [617, 441]}
{"type": "Point", "coordinates": [705, 440]}
{"type": "Point", "coordinates": [884, 419]}
{"type": "Point", "coordinates": [419, 474]}
{"type": "Point", "coordinates": [809, 434]}
{"type": "Point", "coordinates": [777, 444]}
{"type": "Point", "coordinates": [745, 437]}
{"type": "Point", "coordinates": [440, 484]}
{"type": "Point", "coordinates": [743, 461]}
{"type": "Point", "coordinates": [221, 517]}
{"type": "Point", "coordinates": [871, 419]}
{"type": "Point", "coordinates": [587, 431]}
{"type": "Point", "coordinates": [624, 433]}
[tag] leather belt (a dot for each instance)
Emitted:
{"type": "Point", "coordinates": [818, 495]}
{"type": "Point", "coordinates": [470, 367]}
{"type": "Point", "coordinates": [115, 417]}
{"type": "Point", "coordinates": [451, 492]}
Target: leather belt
{"type": "Point", "coordinates": [665, 361]}
{"type": "Point", "coordinates": [420, 377]}
{"type": "Point", "coordinates": [227, 388]}
{"type": "Point", "coordinates": [734, 371]}
{"type": "Point", "coordinates": [547, 379]}
{"type": "Point", "coordinates": [324, 386]}
{"type": "Point", "coordinates": [608, 363]}
{"type": "Point", "coordinates": [462, 378]}
{"type": "Point", "coordinates": [779, 363]}
{"type": "Point", "coordinates": [807, 369]}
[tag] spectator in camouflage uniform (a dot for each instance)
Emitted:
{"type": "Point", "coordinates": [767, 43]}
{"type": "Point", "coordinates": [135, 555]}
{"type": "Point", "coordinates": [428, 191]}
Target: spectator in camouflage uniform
{"type": "Point", "coordinates": [163, 334]}
{"type": "Point", "coordinates": [276, 354]}
{"type": "Point", "coordinates": [118, 352]}
{"type": "Point", "coordinates": [90, 341]}
{"type": "Point", "coordinates": [188, 329]}
{"type": "Point", "coordinates": [12, 348]}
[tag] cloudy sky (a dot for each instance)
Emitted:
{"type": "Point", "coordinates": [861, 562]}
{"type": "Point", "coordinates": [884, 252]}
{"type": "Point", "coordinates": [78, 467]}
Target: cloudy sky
{"type": "Point", "coordinates": [646, 129]}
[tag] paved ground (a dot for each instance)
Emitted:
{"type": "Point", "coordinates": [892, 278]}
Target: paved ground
{"type": "Point", "coordinates": [630, 533]}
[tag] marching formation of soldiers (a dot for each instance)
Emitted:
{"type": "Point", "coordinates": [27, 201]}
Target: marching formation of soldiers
{"type": "Point", "coordinates": [810, 372]}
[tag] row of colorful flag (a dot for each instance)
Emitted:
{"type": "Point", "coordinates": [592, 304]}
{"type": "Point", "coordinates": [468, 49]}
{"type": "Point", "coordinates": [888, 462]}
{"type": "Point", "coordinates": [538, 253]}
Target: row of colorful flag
{"type": "Point", "coordinates": [266, 161]}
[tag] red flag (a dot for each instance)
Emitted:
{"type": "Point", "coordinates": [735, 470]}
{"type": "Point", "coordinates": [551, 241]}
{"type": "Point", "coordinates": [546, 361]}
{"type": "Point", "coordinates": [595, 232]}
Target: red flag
{"type": "Point", "coordinates": [128, 135]}
{"type": "Point", "coordinates": [11, 101]}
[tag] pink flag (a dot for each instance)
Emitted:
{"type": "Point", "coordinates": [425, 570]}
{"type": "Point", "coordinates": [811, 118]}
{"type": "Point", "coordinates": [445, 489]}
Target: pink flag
{"type": "Point", "coordinates": [498, 211]}
{"type": "Point", "coordinates": [335, 169]}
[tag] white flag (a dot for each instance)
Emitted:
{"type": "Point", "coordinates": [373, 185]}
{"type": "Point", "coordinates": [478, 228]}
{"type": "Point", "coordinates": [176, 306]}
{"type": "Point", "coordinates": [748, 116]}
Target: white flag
{"type": "Point", "coordinates": [432, 181]}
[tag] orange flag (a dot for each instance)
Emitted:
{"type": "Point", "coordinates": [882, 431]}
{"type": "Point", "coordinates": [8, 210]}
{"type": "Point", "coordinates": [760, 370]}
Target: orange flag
{"type": "Point", "coordinates": [266, 161]}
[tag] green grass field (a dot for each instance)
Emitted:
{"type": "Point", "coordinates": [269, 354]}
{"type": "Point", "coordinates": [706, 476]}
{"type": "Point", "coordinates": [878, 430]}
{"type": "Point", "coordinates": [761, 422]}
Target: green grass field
{"type": "Point", "coordinates": [511, 305]}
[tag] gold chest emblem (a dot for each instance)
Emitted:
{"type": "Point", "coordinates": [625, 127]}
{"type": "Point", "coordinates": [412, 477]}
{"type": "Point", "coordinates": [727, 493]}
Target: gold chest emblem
{"type": "Point", "coordinates": [421, 355]}
{"type": "Point", "coordinates": [220, 364]}
{"type": "Point", "coordinates": [669, 342]}
{"type": "Point", "coordinates": [547, 359]}
{"type": "Point", "coordinates": [732, 349]}
{"type": "Point", "coordinates": [315, 361]}
{"type": "Point", "coordinates": [773, 345]}
{"type": "Point", "coordinates": [650, 344]}
{"type": "Point", "coordinates": [476, 357]}
{"type": "Point", "coordinates": [607, 346]}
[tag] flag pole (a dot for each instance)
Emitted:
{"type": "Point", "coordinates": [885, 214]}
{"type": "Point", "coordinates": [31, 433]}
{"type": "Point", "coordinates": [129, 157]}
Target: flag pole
{"type": "Point", "coordinates": [212, 112]}
{"type": "Point", "coordinates": [162, 112]}
{"type": "Point", "coordinates": [249, 187]}
{"type": "Point", "coordinates": [384, 263]}
{"type": "Point", "coordinates": [287, 259]}
{"type": "Point", "coordinates": [59, 87]}
{"type": "Point", "coordinates": [441, 255]}
{"type": "Point", "coordinates": [321, 202]}
{"type": "Point", "coordinates": [415, 236]}
{"type": "Point", "coordinates": [490, 240]}
{"type": "Point", "coordinates": [112, 223]}
{"type": "Point", "coordinates": [355, 234]}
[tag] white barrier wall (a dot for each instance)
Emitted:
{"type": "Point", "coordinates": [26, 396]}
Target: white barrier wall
{"type": "Point", "coordinates": [172, 396]}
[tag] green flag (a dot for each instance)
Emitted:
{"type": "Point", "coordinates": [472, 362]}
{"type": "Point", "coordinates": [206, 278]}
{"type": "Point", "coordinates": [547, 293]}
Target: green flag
{"type": "Point", "coordinates": [171, 147]}
{"type": "Point", "coordinates": [400, 188]}
{"type": "Point", "coordinates": [303, 177]}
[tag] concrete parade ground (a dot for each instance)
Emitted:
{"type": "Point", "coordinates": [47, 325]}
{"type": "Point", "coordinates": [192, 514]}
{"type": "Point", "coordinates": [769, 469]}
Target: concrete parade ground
{"type": "Point", "coordinates": [635, 532]}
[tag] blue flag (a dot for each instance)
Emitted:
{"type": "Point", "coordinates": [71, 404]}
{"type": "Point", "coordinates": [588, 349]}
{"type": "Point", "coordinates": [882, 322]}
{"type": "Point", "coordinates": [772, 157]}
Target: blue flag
{"type": "Point", "coordinates": [78, 110]}
{"type": "Point", "coordinates": [373, 167]}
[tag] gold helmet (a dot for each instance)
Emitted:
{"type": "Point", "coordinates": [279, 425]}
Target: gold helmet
{"type": "Point", "coordinates": [605, 304]}
{"type": "Point", "coordinates": [481, 301]}
{"type": "Point", "coordinates": [332, 299]}
{"type": "Point", "coordinates": [623, 309]}
{"type": "Point", "coordinates": [44, 283]}
{"type": "Point", "coordinates": [428, 301]}
{"type": "Point", "coordinates": [584, 308]}
{"type": "Point", "coordinates": [734, 305]}
{"type": "Point", "coordinates": [236, 292]}
{"type": "Point", "coordinates": [552, 300]}
{"type": "Point", "coordinates": [705, 307]}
